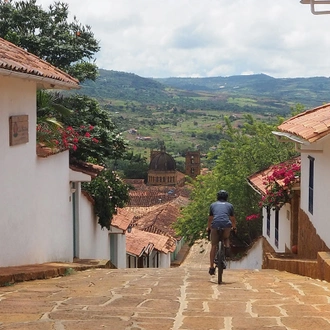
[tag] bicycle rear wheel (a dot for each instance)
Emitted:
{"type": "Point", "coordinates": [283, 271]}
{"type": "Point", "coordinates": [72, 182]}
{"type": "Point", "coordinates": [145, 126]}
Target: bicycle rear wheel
{"type": "Point", "coordinates": [220, 257]}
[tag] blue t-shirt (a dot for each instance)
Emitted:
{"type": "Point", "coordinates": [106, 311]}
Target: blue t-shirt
{"type": "Point", "coordinates": [221, 212]}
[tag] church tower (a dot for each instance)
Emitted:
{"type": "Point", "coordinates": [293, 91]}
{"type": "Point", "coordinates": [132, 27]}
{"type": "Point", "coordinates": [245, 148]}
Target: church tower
{"type": "Point", "coordinates": [193, 163]}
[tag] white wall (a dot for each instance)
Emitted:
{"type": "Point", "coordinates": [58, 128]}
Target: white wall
{"type": "Point", "coordinates": [165, 260]}
{"type": "Point", "coordinates": [94, 242]}
{"type": "Point", "coordinates": [52, 227]}
{"type": "Point", "coordinates": [121, 251]}
{"type": "Point", "coordinates": [117, 247]}
{"type": "Point", "coordinates": [253, 259]}
{"type": "Point", "coordinates": [320, 216]}
{"type": "Point", "coordinates": [284, 228]}
{"type": "Point", "coordinates": [34, 196]}
{"type": "Point", "coordinates": [36, 212]}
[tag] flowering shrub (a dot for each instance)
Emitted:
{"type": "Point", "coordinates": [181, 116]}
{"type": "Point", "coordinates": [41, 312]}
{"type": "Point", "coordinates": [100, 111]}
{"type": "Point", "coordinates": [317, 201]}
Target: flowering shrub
{"type": "Point", "coordinates": [91, 137]}
{"type": "Point", "coordinates": [64, 138]}
{"type": "Point", "coordinates": [252, 217]}
{"type": "Point", "coordinates": [279, 185]}
{"type": "Point", "coordinates": [109, 192]}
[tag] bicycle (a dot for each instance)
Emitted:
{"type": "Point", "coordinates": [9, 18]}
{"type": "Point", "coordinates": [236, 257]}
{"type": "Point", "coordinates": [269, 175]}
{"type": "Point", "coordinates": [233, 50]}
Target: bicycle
{"type": "Point", "coordinates": [220, 256]}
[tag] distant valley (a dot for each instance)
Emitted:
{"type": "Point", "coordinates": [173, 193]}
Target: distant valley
{"type": "Point", "coordinates": [184, 113]}
{"type": "Point", "coordinates": [263, 91]}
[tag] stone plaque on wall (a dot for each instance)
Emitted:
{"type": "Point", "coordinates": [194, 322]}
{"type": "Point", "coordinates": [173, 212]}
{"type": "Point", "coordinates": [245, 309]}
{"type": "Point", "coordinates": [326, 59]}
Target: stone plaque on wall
{"type": "Point", "coordinates": [18, 129]}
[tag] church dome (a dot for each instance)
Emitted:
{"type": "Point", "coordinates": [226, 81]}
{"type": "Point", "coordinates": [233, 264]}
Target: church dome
{"type": "Point", "coordinates": [162, 162]}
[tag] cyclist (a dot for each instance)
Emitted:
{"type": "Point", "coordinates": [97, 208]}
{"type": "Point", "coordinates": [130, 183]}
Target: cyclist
{"type": "Point", "coordinates": [221, 216]}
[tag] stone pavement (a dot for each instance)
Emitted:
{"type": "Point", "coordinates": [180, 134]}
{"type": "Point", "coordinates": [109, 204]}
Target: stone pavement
{"type": "Point", "coordinates": [180, 298]}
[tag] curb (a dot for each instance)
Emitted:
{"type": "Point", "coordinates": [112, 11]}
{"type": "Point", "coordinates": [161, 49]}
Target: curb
{"type": "Point", "coordinates": [11, 275]}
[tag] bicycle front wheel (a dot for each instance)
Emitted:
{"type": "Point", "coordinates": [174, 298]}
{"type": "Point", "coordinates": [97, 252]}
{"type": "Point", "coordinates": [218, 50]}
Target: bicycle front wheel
{"type": "Point", "coordinates": [220, 257]}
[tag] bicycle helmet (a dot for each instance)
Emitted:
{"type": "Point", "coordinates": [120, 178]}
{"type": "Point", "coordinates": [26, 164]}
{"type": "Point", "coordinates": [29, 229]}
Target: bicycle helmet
{"type": "Point", "coordinates": [222, 195]}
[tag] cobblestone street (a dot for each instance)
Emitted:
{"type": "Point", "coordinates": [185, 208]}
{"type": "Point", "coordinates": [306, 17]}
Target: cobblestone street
{"type": "Point", "coordinates": [184, 297]}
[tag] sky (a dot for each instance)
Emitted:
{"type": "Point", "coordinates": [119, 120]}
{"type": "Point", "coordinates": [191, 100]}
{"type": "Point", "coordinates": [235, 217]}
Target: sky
{"type": "Point", "coordinates": [207, 38]}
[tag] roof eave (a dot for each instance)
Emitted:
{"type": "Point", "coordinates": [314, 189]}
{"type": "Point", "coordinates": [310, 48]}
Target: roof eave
{"type": "Point", "coordinates": [254, 187]}
{"type": "Point", "coordinates": [42, 82]}
{"type": "Point", "coordinates": [291, 137]}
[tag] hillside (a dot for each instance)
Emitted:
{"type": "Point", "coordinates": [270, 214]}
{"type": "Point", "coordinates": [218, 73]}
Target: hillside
{"type": "Point", "coordinates": [124, 86]}
{"type": "Point", "coordinates": [185, 113]}
{"type": "Point", "coordinates": [261, 92]}
{"type": "Point", "coordinates": [308, 91]}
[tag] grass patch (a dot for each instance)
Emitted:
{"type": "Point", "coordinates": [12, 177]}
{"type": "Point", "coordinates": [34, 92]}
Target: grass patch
{"type": "Point", "coordinates": [69, 271]}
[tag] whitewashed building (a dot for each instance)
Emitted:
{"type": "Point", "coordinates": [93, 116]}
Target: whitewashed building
{"type": "Point", "coordinates": [279, 226]}
{"type": "Point", "coordinates": [148, 250]}
{"type": "Point", "coordinates": [310, 131]}
{"type": "Point", "coordinates": [43, 214]}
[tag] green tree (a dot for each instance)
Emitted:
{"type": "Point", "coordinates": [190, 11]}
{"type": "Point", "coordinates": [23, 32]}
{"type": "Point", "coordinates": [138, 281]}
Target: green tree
{"type": "Point", "coordinates": [132, 166]}
{"type": "Point", "coordinates": [103, 141]}
{"type": "Point", "coordinates": [242, 153]}
{"type": "Point", "coordinates": [97, 140]}
{"type": "Point", "coordinates": [86, 130]}
{"type": "Point", "coordinates": [69, 46]}
{"type": "Point", "coordinates": [109, 192]}
{"type": "Point", "coordinates": [47, 125]}
{"type": "Point", "coordinates": [298, 108]}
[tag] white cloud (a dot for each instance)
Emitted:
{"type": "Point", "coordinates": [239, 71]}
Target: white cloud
{"type": "Point", "coordinates": [167, 38]}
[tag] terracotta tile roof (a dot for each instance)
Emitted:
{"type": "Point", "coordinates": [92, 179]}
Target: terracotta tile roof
{"type": "Point", "coordinates": [140, 211]}
{"type": "Point", "coordinates": [180, 177]}
{"type": "Point", "coordinates": [139, 242]}
{"type": "Point", "coordinates": [162, 218]}
{"type": "Point", "coordinates": [88, 168]}
{"type": "Point", "coordinates": [257, 180]}
{"type": "Point", "coordinates": [18, 60]}
{"type": "Point", "coordinates": [134, 182]}
{"type": "Point", "coordinates": [310, 125]}
{"type": "Point", "coordinates": [44, 152]}
{"type": "Point", "coordinates": [155, 209]}
{"type": "Point", "coordinates": [122, 219]}
{"type": "Point", "coordinates": [146, 196]}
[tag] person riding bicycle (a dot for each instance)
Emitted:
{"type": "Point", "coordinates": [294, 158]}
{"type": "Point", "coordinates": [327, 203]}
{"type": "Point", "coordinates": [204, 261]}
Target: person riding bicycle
{"type": "Point", "coordinates": [221, 216]}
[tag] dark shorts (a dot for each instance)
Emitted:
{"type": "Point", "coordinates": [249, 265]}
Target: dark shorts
{"type": "Point", "coordinates": [215, 237]}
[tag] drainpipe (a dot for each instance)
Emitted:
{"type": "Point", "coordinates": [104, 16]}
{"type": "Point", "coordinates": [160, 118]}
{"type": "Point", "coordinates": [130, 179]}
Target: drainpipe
{"type": "Point", "coordinates": [316, 2]}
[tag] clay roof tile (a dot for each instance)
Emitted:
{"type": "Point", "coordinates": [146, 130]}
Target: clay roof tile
{"type": "Point", "coordinates": [18, 60]}
{"type": "Point", "coordinates": [139, 242]}
{"type": "Point", "coordinates": [122, 219]}
{"type": "Point", "coordinates": [257, 179]}
{"type": "Point", "coordinates": [310, 125]}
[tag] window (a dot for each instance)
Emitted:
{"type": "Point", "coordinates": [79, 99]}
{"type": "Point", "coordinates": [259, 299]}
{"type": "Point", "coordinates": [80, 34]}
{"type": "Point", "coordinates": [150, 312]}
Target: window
{"type": "Point", "coordinates": [268, 221]}
{"type": "Point", "coordinates": [277, 214]}
{"type": "Point", "coordinates": [311, 185]}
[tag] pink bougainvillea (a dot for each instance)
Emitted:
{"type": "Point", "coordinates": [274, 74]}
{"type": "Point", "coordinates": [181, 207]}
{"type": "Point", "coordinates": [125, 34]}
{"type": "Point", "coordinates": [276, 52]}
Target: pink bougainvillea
{"type": "Point", "coordinates": [63, 138]}
{"type": "Point", "coordinates": [279, 184]}
{"type": "Point", "coordinates": [252, 217]}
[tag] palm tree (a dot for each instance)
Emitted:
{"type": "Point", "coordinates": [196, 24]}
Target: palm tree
{"type": "Point", "coordinates": [48, 126]}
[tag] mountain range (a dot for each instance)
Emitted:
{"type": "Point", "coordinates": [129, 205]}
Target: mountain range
{"type": "Point", "coordinates": [186, 113]}
{"type": "Point", "coordinates": [258, 91]}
